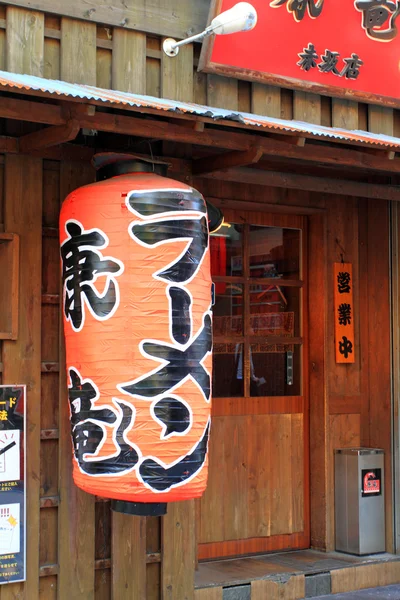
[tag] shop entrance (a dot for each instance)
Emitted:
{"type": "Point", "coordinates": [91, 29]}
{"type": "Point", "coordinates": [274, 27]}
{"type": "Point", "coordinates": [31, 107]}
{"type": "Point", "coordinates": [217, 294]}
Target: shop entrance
{"type": "Point", "coordinates": [258, 493]}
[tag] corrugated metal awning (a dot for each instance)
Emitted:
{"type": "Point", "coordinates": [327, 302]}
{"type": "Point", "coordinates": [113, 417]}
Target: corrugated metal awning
{"type": "Point", "coordinates": [116, 99]}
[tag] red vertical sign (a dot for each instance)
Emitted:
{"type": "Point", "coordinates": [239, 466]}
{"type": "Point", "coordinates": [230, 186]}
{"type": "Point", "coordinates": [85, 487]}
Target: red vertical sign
{"type": "Point", "coordinates": [344, 313]}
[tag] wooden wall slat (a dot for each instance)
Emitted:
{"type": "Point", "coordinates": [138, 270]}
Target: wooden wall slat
{"type": "Point", "coordinates": [129, 61]}
{"type": "Point", "coordinates": [177, 75]}
{"type": "Point", "coordinates": [222, 92]}
{"type": "Point", "coordinates": [319, 453]}
{"type": "Point", "coordinates": [266, 100]}
{"type": "Point", "coordinates": [307, 107]}
{"type": "Point", "coordinates": [51, 59]}
{"type": "Point", "coordinates": [2, 50]}
{"type": "Point", "coordinates": [209, 594]}
{"type": "Point", "coordinates": [76, 532]}
{"type": "Point", "coordinates": [78, 51]}
{"type": "Point", "coordinates": [104, 69]}
{"type": "Point", "coordinates": [293, 589]}
{"type": "Point", "coordinates": [344, 113]}
{"type": "Point", "coordinates": [380, 119]}
{"type": "Point", "coordinates": [153, 70]}
{"type": "Point", "coordinates": [21, 359]}
{"type": "Point", "coordinates": [380, 415]}
{"type": "Point", "coordinates": [178, 556]}
{"type": "Point", "coordinates": [128, 557]}
{"type": "Point", "coordinates": [24, 41]}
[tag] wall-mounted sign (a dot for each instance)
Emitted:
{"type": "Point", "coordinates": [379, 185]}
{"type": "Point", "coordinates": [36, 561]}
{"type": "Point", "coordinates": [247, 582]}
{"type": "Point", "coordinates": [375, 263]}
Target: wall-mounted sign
{"type": "Point", "coordinates": [344, 313]}
{"type": "Point", "coordinates": [12, 484]}
{"type": "Point", "coordinates": [340, 48]}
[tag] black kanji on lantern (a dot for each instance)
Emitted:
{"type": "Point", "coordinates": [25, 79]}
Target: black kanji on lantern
{"type": "Point", "coordinates": [375, 13]}
{"type": "Point", "coordinates": [351, 70]}
{"type": "Point", "coordinates": [298, 7]}
{"type": "Point", "coordinates": [344, 311]}
{"type": "Point", "coordinates": [82, 265]}
{"type": "Point", "coordinates": [345, 347]}
{"type": "Point", "coordinates": [88, 425]}
{"type": "Point", "coordinates": [329, 62]}
{"type": "Point", "coordinates": [308, 58]}
{"type": "Point", "coordinates": [178, 364]}
{"type": "Point", "coordinates": [343, 281]}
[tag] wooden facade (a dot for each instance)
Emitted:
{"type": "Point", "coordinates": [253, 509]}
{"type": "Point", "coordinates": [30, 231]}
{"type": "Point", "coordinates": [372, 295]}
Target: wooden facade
{"type": "Point", "coordinates": [77, 548]}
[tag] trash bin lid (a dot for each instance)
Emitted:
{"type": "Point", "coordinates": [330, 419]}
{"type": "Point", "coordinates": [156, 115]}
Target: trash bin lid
{"type": "Point", "coordinates": [359, 451]}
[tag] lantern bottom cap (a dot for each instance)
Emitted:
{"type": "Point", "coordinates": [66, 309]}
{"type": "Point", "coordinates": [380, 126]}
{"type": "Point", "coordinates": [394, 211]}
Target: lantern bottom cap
{"type": "Point", "coordinates": [140, 509]}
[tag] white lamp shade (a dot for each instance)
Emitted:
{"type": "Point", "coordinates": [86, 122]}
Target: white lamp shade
{"type": "Point", "coordinates": [241, 17]}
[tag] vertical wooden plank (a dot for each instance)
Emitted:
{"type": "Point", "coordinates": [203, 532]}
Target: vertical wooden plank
{"type": "Point", "coordinates": [24, 41]}
{"type": "Point", "coordinates": [103, 68]}
{"type": "Point", "coordinates": [297, 464]}
{"type": "Point", "coordinates": [128, 557]}
{"type": "Point", "coordinates": [177, 75]}
{"type": "Point", "coordinates": [307, 107]}
{"type": "Point", "coordinates": [266, 100]}
{"type": "Point", "coordinates": [280, 474]}
{"type": "Point", "coordinates": [211, 526]}
{"type": "Point", "coordinates": [2, 50]}
{"type": "Point", "coordinates": [21, 359]}
{"type": "Point", "coordinates": [222, 92]}
{"type": "Point", "coordinates": [318, 401]}
{"type": "Point", "coordinates": [344, 113]}
{"type": "Point", "coordinates": [200, 88]}
{"type": "Point", "coordinates": [76, 533]}
{"type": "Point", "coordinates": [51, 59]}
{"type": "Point", "coordinates": [259, 486]}
{"type": "Point", "coordinates": [153, 70]}
{"type": "Point", "coordinates": [78, 51]}
{"type": "Point", "coordinates": [129, 61]}
{"type": "Point", "coordinates": [178, 552]}
{"type": "Point", "coordinates": [379, 346]}
{"type": "Point", "coordinates": [380, 119]}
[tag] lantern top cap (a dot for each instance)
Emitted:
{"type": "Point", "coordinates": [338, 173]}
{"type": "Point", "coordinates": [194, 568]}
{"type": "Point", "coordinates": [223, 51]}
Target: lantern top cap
{"type": "Point", "coordinates": [103, 159]}
{"type": "Point", "coordinates": [110, 164]}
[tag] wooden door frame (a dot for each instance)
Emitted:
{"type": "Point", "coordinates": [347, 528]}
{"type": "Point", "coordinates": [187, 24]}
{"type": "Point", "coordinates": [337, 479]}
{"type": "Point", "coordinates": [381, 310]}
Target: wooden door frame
{"type": "Point", "coordinates": [314, 349]}
{"type": "Point", "coordinates": [321, 536]}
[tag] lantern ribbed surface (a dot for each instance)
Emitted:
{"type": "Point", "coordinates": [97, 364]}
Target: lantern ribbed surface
{"type": "Point", "coordinates": [137, 322]}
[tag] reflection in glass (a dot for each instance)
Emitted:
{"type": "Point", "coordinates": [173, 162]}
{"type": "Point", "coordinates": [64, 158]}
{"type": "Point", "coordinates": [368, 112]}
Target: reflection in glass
{"type": "Point", "coordinates": [274, 310]}
{"type": "Point", "coordinates": [227, 372]}
{"type": "Point", "coordinates": [270, 374]}
{"type": "Point", "coordinates": [226, 249]}
{"type": "Point", "coordinates": [228, 310]}
{"type": "Point", "coordinates": [274, 252]}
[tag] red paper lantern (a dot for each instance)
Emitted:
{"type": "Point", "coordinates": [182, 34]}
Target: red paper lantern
{"type": "Point", "coordinates": [137, 323]}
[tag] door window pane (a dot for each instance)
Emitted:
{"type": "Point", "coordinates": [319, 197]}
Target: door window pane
{"type": "Point", "coordinates": [228, 310]}
{"type": "Point", "coordinates": [226, 247]}
{"type": "Point", "coordinates": [275, 310]}
{"type": "Point", "coordinates": [274, 252]}
{"type": "Point", "coordinates": [270, 369]}
{"type": "Point", "coordinates": [228, 370]}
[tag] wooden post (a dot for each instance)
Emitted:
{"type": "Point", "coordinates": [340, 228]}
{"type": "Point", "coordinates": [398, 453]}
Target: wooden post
{"type": "Point", "coordinates": [22, 358]}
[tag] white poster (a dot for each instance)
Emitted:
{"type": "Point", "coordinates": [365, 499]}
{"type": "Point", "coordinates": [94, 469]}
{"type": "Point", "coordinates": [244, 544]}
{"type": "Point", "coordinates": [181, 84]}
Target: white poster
{"type": "Point", "coordinates": [9, 528]}
{"type": "Point", "coordinates": [10, 455]}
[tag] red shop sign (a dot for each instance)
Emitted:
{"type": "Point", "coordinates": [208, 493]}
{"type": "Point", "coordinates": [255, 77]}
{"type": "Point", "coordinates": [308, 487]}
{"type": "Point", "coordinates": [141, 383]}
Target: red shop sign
{"type": "Point", "coordinates": [345, 48]}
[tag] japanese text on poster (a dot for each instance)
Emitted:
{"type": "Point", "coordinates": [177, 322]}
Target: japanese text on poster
{"type": "Point", "coordinates": [12, 484]}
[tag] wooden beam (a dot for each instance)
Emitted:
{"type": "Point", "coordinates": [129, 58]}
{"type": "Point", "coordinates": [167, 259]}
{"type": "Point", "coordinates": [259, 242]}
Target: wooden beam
{"type": "Point", "coordinates": [228, 139]}
{"type": "Point", "coordinates": [51, 136]}
{"type": "Point", "coordinates": [35, 112]}
{"type": "Point", "coordinates": [228, 160]}
{"type": "Point", "coordinates": [150, 16]}
{"type": "Point", "coordinates": [312, 184]}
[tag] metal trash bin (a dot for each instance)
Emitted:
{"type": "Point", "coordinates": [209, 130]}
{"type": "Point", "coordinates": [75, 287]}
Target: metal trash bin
{"type": "Point", "coordinates": [360, 500]}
